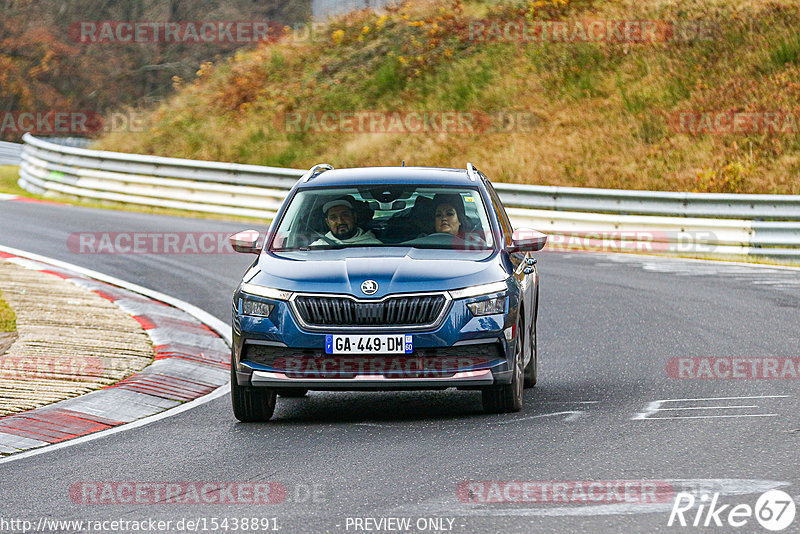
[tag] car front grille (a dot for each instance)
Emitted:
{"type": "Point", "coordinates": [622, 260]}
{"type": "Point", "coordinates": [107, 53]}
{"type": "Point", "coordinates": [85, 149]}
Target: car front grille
{"type": "Point", "coordinates": [395, 311]}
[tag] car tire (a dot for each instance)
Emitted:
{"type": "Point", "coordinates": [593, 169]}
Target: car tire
{"type": "Point", "coordinates": [532, 369]}
{"type": "Point", "coordinates": [508, 397]}
{"type": "Point", "coordinates": [292, 392]}
{"type": "Point", "coordinates": [251, 405]}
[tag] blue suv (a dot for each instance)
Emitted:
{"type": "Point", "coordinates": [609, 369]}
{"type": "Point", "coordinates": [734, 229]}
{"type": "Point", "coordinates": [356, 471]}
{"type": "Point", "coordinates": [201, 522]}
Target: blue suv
{"type": "Point", "coordinates": [386, 278]}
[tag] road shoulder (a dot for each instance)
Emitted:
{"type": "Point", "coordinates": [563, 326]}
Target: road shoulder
{"type": "Point", "coordinates": [187, 359]}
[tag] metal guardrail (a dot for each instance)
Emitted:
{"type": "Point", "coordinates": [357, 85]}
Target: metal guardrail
{"type": "Point", "coordinates": [10, 153]}
{"type": "Point", "coordinates": [713, 224]}
{"type": "Point", "coordinates": [77, 142]}
{"type": "Point", "coordinates": [714, 205]}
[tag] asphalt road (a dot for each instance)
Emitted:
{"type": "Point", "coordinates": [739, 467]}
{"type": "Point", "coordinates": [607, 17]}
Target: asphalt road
{"type": "Point", "coordinates": [608, 326]}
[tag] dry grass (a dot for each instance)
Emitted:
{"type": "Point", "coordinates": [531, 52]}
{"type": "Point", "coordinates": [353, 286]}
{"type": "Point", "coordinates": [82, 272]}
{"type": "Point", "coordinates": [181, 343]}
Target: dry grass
{"type": "Point", "coordinates": [9, 174]}
{"type": "Point", "coordinates": [8, 319]}
{"type": "Point", "coordinates": [601, 109]}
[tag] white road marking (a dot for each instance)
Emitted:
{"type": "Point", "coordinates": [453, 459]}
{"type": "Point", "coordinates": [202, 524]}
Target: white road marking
{"type": "Point", "coordinates": [656, 406]}
{"type": "Point", "coordinates": [727, 398]}
{"type": "Point", "coordinates": [6, 196]}
{"type": "Point", "coordinates": [709, 407]}
{"type": "Point", "coordinates": [571, 416]}
{"type": "Point", "coordinates": [779, 277]}
{"type": "Point", "coordinates": [693, 265]}
{"type": "Point", "coordinates": [713, 416]}
{"type": "Point", "coordinates": [568, 402]}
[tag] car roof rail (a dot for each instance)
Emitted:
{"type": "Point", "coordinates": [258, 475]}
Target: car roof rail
{"type": "Point", "coordinates": [472, 172]}
{"type": "Point", "coordinates": [315, 170]}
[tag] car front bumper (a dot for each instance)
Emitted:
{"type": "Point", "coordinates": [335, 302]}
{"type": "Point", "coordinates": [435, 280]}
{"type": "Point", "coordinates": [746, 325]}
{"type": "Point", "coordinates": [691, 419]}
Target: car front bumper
{"type": "Point", "coordinates": [461, 351]}
{"type": "Point", "coordinates": [483, 377]}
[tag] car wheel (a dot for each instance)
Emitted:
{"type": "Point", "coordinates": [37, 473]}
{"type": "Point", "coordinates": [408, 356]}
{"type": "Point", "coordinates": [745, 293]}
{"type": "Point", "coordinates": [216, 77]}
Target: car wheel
{"type": "Point", "coordinates": [292, 392]}
{"type": "Point", "coordinates": [531, 370]}
{"type": "Point", "coordinates": [508, 397]}
{"type": "Point", "coordinates": [251, 405]}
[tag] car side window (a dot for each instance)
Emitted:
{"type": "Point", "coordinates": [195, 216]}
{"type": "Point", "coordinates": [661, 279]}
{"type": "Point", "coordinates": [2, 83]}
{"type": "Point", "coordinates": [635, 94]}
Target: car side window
{"type": "Point", "coordinates": [505, 223]}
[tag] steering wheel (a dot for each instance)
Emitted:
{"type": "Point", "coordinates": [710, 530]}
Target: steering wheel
{"type": "Point", "coordinates": [324, 238]}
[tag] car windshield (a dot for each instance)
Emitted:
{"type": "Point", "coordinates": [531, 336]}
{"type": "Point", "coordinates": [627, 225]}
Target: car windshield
{"type": "Point", "coordinates": [384, 216]}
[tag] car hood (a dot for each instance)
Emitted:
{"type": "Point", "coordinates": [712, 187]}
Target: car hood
{"type": "Point", "coordinates": [396, 270]}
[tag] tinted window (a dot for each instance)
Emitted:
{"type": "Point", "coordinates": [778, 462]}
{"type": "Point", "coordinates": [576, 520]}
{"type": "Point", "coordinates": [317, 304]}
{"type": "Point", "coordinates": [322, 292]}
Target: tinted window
{"type": "Point", "coordinates": [505, 222]}
{"type": "Point", "coordinates": [384, 215]}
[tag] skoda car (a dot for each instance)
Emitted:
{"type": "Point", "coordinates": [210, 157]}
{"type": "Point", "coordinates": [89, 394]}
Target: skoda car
{"type": "Point", "coordinates": [386, 278]}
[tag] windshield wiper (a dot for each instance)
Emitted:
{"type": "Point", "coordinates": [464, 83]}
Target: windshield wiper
{"type": "Point", "coordinates": [320, 247]}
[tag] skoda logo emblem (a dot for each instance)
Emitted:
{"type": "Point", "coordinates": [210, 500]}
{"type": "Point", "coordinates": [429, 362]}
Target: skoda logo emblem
{"type": "Point", "coordinates": [369, 287]}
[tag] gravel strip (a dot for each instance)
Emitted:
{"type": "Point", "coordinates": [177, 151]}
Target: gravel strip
{"type": "Point", "coordinates": [70, 341]}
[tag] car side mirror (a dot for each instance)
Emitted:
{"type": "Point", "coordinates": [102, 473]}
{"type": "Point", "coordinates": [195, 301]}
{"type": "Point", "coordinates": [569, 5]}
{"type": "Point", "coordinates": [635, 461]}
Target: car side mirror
{"type": "Point", "coordinates": [246, 242]}
{"type": "Point", "coordinates": [527, 240]}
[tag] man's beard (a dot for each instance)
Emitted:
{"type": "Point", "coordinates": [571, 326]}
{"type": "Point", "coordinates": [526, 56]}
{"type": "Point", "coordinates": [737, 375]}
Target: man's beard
{"type": "Point", "coordinates": [347, 235]}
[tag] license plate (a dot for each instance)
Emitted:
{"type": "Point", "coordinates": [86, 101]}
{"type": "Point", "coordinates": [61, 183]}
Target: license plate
{"type": "Point", "coordinates": [364, 344]}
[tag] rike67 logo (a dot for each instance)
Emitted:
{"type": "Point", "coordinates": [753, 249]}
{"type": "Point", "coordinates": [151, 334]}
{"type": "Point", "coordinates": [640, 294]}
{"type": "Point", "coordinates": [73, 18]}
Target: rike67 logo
{"type": "Point", "coordinates": [774, 510]}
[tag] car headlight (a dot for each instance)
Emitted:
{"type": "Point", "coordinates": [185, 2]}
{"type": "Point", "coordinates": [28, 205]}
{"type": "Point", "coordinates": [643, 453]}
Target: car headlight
{"type": "Point", "coordinates": [476, 291]}
{"type": "Point", "coordinates": [267, 292]}
{"type": "Point", "coordinates": [488, 306]}
{"type": "Point", "coordinates": [256, 307]}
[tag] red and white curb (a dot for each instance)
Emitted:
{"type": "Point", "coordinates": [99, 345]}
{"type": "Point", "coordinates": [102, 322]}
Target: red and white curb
{"type": "Point", "coordinates": [191, 362]}
{"type": "Point", "coordinates": [17, 198]}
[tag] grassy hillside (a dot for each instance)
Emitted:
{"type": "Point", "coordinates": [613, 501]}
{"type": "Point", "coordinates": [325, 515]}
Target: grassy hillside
{"type": "Point", "coordinates": [598, 114]}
